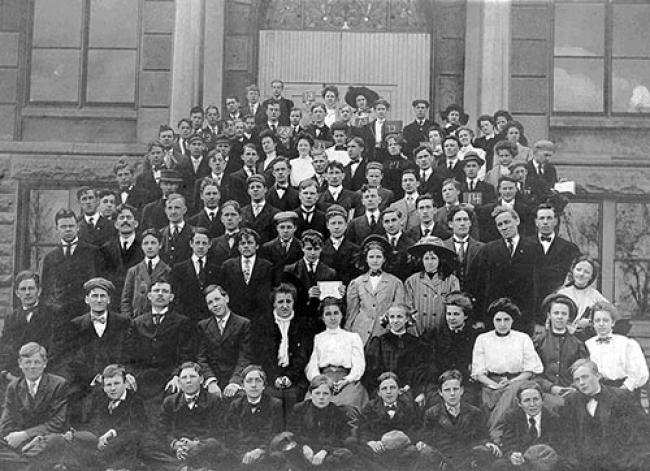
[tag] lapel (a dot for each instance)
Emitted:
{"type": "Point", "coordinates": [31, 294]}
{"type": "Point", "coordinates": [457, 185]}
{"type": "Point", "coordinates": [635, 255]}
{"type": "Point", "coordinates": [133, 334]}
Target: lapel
{"type": "Point", "coordinates": [29, 402]}
{"type": "Point", "coordinates": [229, 328]}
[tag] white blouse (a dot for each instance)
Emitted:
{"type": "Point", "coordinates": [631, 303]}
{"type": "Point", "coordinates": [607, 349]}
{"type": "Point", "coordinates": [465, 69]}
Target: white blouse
{"type": "Point", "coordinates": [621, 357]}
{"type": "Point", "coordinates": [337, 347]}
{"type": "Point", "coordinates": [514, 353]}
{"type": "Point", "coordinates": [301, 169]}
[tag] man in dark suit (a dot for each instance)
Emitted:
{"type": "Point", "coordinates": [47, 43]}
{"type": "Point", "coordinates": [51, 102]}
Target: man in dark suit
{"type": "Point", "coordinates": [224, 247]}
{"type": "Point", "coordinates": [259, 214]}
{"type": "Point", "coordinates": [224, 344]}
{"type": "Point", "coordinates": [430, 181]}
{"type": "Point", "coordinates": [528, 424]}
{"type": "Point", "coordinates": [459, 219]}
{"type": "Point", "coordinates": [607, 427]}
{"type": "Point", "coordinates": [554, 253]}
{"type": "Point", "coordinates": [309, 216]}
{"type": "Point", "coordinates": [65, 269]}
{"type": "Point", "coordinates": [196, 168]}
{"type": "Point", "coordinates": [122, 251]}
{"type": "Point", "coordinates": [128, 192]}
{"type": "Point", "coordinates": [318, 129]}
{"type": "Point", "coordinates": [375, 131]}
{"type": "Point", "coordinates": [370, 222]}
{"type": "Point", "coordinates": [177, 233]}
{"type": "Point", "coordinates": [98, 340]}
{"type": "Point", "coordinates": [399, 264]}
{"type": "Point", "coordinates": [425, 207]}
{"type": "Point", "coordinates": [355, 170]}
{"type": "Point", "coordinates": [94, 228]}
{"type": "Point", "coordinates": [406, 205]}
{"type": "Point", "coordinates": [280, 195]}
{"type": "Point", "coordinates": [416, 132]}
{"type": "Point", "coordinates": [335, 193]}
{"type": "Point", "coordinates": [338, 251]}
{"type": "Point", "coordinates": [389, 174]}
{"type": "Point", "coordinates": [285, 248]}
{"type": "Point", "coordinates": [239, 178]}
{"type": "Point", "coordinates": [153, 214]}
{"type": "Point", "coordinates": [208, 217]}
{"type": "Point", "coordinates": [253, 107]}
{"type": "Point", "coordinates": [474, 191]}
{"type": "Point", "coordinates": [508, 196]}
{"type": "Point", "coordinates": [35, 404]}
{"type": "Point", "coordinates": [451, 166]}
{"type": "Point", "coordinates": [451, 197]}
{"type": "Point", "coordinates": [285, 105]}
{"type": "Point", "coordinates": [190, 277]}
{"type": "Point", "coordinates": [148, 178]}
{"type": "Point", "coordinates": [542, 175]}
{"type": "Point", "coordinates": [249, 276]}
{"type": "Point", "coordinates": [507, 268]}
{"type": "Point", "coordinates": [31, 321]}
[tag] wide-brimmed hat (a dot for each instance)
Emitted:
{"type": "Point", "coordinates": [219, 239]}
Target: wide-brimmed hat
{"type": "Point", "coordinates": [560, 298]}
{"type": "Point", "coordinates": [431, 244]}
{"type": "Point", "coordinates": [472, 156]}
{"type": "Point", "coordinates": [354, 92]}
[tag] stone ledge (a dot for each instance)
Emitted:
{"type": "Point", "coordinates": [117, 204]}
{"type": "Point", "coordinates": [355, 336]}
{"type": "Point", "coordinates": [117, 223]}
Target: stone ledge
{"type": "Point", "coordinates": [71, 148]}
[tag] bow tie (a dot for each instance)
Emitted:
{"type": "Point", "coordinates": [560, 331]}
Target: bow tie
{"type": "Point", "coordinates": [546, 238]}
{"type": "Point", "coordinates": [375, 273]}
{"type": "Point", "coordinates": [391, 407]}
{"type": "Point", "coordinates": [457, 331]}
{"type": "Point", "coordinates": [101, 319]}
{"type": "Point", "coordinates": [605, 340]}
{"type": "Point", "coordinates": [283, 188]}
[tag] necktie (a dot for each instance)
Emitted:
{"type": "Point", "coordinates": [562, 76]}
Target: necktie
{"type": "Point", "coordinates": [393, 242]}
{"type": "Point", "coordinates": [461, 252]}
{"type": "Point", "coordinates": [541, 170]}
{"type": "Point", "coordinates": [157, 319]}
{"type": "Point", "coordinates": [91, 222]}
{"type": "Point", "coordinates": [426, 232]}
{"type": "Point", "coordinates": [175, 232]}
{"type": "Point", "coordinates": [423, 175]}
{"type": "Point", "coordinates": [450, 166]}
{"type": "Point", "coordinates": [32, 388]}
{"type": "Point", "coordinates": [231, 240]}
{"type": "Point", "coordinates": [472, 186]}
{"type": "Point", "coordinates": [201, 272]}
{"type": "Point", "coordinates": [256, 209]}
{"type": "Point", "coordinates": [274, 128]}
{"type": "Point", "coordinates": [66, 250]}
{"type": "Point", "coordinates": [532, 428]}
{"type": "Point", "coordinates": [125, 247]}
{"type": "Point", "coordinates": [373, 221]}
{"type": "Point", "coordinates": [211, 216]}
{"type": "Point", "coordinates": [511, 246]}
{"type": "Point", "coordinates": [247, 270]}
{"type": "Point", "coordinates": [221, 325]}
{"type": "Point", "coordinates": [149, 267]}
{"type": "Point", "coordinates": [285, 246]}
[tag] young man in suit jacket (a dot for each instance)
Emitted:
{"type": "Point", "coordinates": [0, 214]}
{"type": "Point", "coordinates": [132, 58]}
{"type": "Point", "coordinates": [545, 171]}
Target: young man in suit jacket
{"type": "Point", "coordinates": [285, 105]}
{"type": "Point", "coordinates": [335, 193]}
{"type": "Point", "coordinates": [473, 190]}
{"type": "Point", "coordinates": [35, 404]}
{"type": "Point", "coordinates": [249, 276]}
{"type": "Point", "coordinates": [177, 233]}
{"type": "Point", "coordinates": [426, 209]}
{"type": "Point", "coordinates": [224, 342]}
{"type": "Point", "coordinates": [224, 247]}
{"type": "Point", "coordinates": [541, 172]}
{"type": "Point", "coordinates": [370, 222]}
{"type": "Point", "coordinates": [190, 277]}
{"type": "Point", "coordinates": [338, 251]}
{"type": "Point", "coordinates": [309, 216]}
{"type": "Point", "coordinates": [459, 219]}
{"type": "Point", "coordinates": [451, 166]}
{"type": "Point", "coordinates": [406, 205]}
{"type": "Point", "coordinates": [258, 215]}
{"type": "Point", "coordinates": [355, 170]}
{"type": "Point", "coordinates": [451, 197]}
{"type": "Point", "coordinates": [416, 132]}
{"type": "Point", "coordinates": [153, 214]}
{"type": "Point", "coordinates": [196, 168]}
{"type": "Point", "coordinates": [123, 250]}
{"type": "Point", "coordinates": [281, 195]}
{"type": "Point", "coordinates": [94, 228]}
{"type": "Point", "coordinates": [208, 217]}
{"type": "Point", "coordinates": [430, 182]}
{"type": "Point", "coordinates": [285, 248]}
{"type": "Point", "coordinates": [128, 192]}
{"type": "Point", "coordinates": [400, 264]}
{"type": "Point", "coordinates": [318, 129]}
{"type": "Point", "coordinates": [239, 179]}
{"type": "Point", "coordinates": [375, 131]}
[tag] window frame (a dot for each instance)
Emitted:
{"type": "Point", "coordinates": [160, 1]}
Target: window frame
{"type": "Point", "coordinates": [84, 48]}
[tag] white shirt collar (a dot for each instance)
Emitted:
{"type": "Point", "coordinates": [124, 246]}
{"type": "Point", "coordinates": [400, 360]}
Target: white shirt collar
{"type": "Point", "coordinates": [180, 226]}
{"type": "Point", "coordinates": [129, 240]}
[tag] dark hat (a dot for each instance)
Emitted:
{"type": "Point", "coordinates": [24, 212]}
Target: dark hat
{"type": "Point", "coordinates": [285, 216]}
{"type": "Point", "coordinates": [164, 127]}
{"type": "Point", "coordinates": [336, 209]}
{"type": "Point", "coordinates": [381, 101]}
{"type": "Point", "coordinates": [377, 239]}
{"type": "Point", "coordinates": [99, 282]}
{"type": "Point", "coordinates": [195, 137]}
{"type": "Point", "coordinates": [472, 156]}
{"type": "Point", "coordinates": [168, 175]}
{"type": "Point", "coordinates": [420, 101]}
{"type": "Point", "coordinates": [541, 457]}
{"type": "Point", "coordinates": [354, 92]}
{"type": "Point", "coordinates": [221, 138]}
{"type": "Point", "coordinates": [464, 117]}
{"type": "Point", "coordinates": [560, 298]}
{"type": "Point", "coordinates": [435, 244]}
{"type": "Point", "coordinates": [256, 178]}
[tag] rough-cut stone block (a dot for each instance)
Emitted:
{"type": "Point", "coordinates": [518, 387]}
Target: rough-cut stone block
{"type": "Point", "coordinates": [6, 234]}
{"type": "Point", "coordinates": [64, 168]}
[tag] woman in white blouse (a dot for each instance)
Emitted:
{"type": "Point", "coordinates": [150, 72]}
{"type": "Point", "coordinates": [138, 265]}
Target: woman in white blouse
{"type": "Point", "coordinates": [301, 167]}
{"type": "Point", "coordinates": [620, 360]}
{"type": "Point", "coordinates": [502, 359]}
{"type": "Point", "coordinates": [338, 354]}
{"type": "Point", "coordinates": [330, 96]}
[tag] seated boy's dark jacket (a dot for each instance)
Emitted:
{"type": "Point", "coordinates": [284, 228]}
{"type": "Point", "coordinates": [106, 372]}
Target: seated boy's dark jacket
{"type": "Point", "coordinates": [127, 418]}
{"type": "Point", "coordinates": [201, 422]}
{"type": "Point", "coordinates": [249, 427]}
{"type": "Point", "coordinates": [446, 433]}
{"type": "Point", "coordinates": [375, 420]}
{"type": "Point", "coordinates": [517, 438]}
{"type": "Point", "coordinates": [17, 332]}
{"type": "Point", "coordinates": [321, 429]}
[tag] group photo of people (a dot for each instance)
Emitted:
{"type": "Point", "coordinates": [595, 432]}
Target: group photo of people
{"type": "Point", "coordinates": [297, 286]}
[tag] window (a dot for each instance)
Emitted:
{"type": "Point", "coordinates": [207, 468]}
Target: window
{"type": "Point", "coordinates": [84, 52]}
{"type": "Point", "coordinates": [601, 57]}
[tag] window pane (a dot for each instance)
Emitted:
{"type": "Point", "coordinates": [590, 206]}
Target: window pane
{"type": "Point", "coordinates": [111, 76]}
{"type": "Point", "coordinates": [579, 30]}
{"type": "Point", "coordinates": [631, 32]}
{"type": "Point", "coordinates": [55, 75]}
{"type": "Point", "coordinates": [578, 85]}
{"type": "Point", "coordinates": [631, 86]}
{"type": "Point", "coordinates": [114, 23]}
{"type": "Point", "coordinates": [57, 23]}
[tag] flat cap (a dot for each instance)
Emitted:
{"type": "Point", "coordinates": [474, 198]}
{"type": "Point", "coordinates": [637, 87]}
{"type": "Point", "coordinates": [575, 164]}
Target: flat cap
{"type": "Point", "coordinates": [256, 178]}
{"type": "Point", "coordinates": [99, 282]}
{"type": "Point", "coordinates": [285, 216]}
{"type": "Point", "coordinates": [168, 175]}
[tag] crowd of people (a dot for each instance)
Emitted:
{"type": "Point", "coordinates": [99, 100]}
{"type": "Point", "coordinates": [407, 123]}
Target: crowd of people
{"type": "Point", "coordinates": [307, 287]}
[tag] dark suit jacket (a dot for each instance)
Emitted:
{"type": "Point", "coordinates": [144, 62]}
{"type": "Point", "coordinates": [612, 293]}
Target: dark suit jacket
{"type": "Point", "coordinates": [462, 270]}
{"type": "Point", "coordinates": [116, 262]}
{"type": "Point", "coordinates": [220, 250]}
{"type": "Point", "coordinates": [188, 288]}
{"type": "Point", "coordinates": [288, 202]}
{"type": "Point", "coordinates": [355, 182]}
{"type": "Point", "coordinates": [128, 419]}
{"type": "Point", "coordinates": [215, 227]}
{"type": "Point", "coordinates": [454, 436]}
{"type": "Point", "coordinates": [91, 352]}
{"type": "Point", "coordinates": [224, 190]}
{"type": "Point", "coordinates": [224, 356]}
{"type": "Point", "coordinates": [263, 224]}
{"type": "Point", "coordinates": [488, 229]}
{"type": "Point", "coordinates": [323, 134]}
{"type": "Point", "coordinates": [190, 177]}
{"type": "Point", "coordinates": [322, 429]}
{"type": "Point", "coordinates": [553, 265]}
{"type": "Point", "coordinates": [245, 430]}
{"type": "Point", "coordinates": [285, 108]}
{"type": "Point", "coordinates": [17, 332]}
{"type": "Point", "coordinates": [153, 215]}
{"type": "Point", "coordinates": [178, 421]}
{"type": "Point", "coordinates": [348, 199]}
{"type": "Point", "coordinates": [400, 261]}
{"type": "Point", "coordinates": [369, 135]}
{"type": "Point", "coordinates": [545, 180]}
{"type": "Point", "coordinates": [415, 233]}
{"type": "Point", "coordinates": [516, 436]}
{"type": "Point", "coordinates": [176, 250]}
{"type": "Point", "coordinates": [340, 260]}
{"type": "Point", "coordinates": [394, 166]}
{"type": "Point", "coordinates": [278, 256]}
{"type": "Point", "coordinates": [432, 186]}
{"type": "Point", "coordinates": [453, 350]}
{"type": "Point", "coordinates": [456, 172]}
{"type": "Point", "coordinates": [260, 112]}
{"type": "Point", "coordinates": [46, 413]}
{"type": "Point", "coordinates": [318, 222]}
{"type": "Point", "coordinates": [498, 275]}
{"type": "Point", "coordinates": [483, 193]}
{"type": "Point", "coordinates": [251, 300]}
{"type": "Point", "coordinates": [164, 346]}
{"type": "Point", "coordinates": [239, 188]}
{"type": "Point", "coordinates": [98, 235]}
{"type": "Point", "coordinates": [147, 183]}
{"type": "Point", "coordinates": [137, 196]}
{"type": "Point", "coordinates": [413, 134]}
{"type": "Point", "coordinates": [134, 300]}
{"type": "Point", "coordinates": [375, 421]}
{"type": "Point", "coordinates": [359, 228]}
